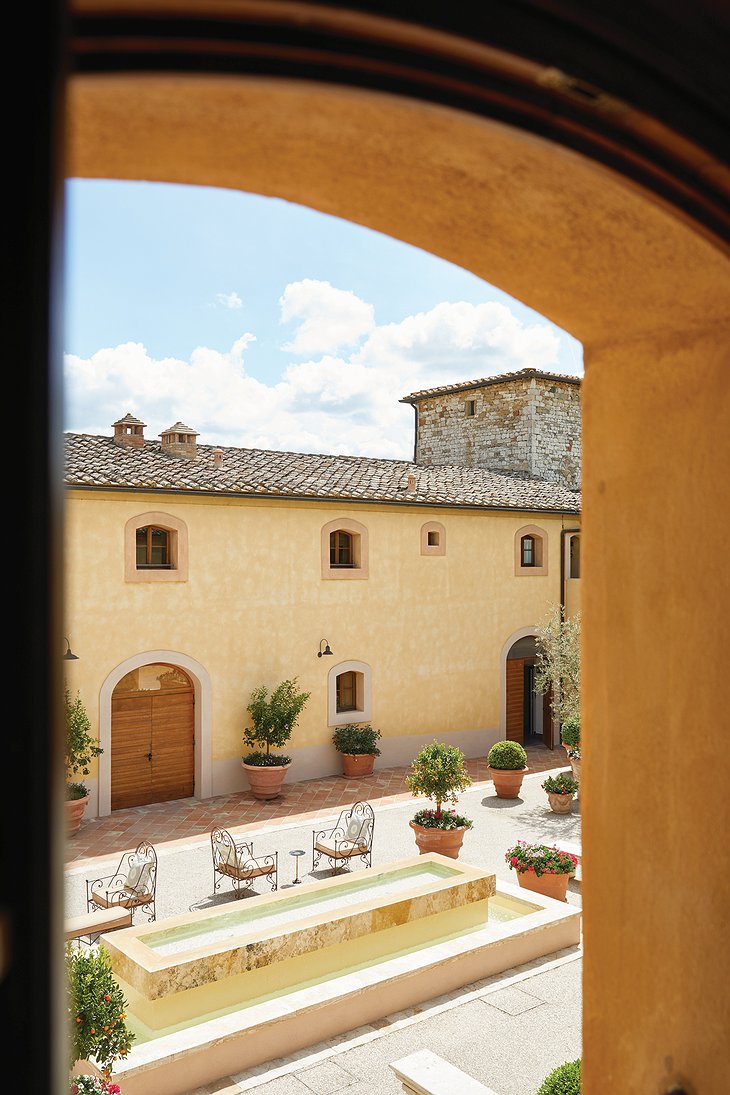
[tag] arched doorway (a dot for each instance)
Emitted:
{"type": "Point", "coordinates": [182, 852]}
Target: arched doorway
{"type": "Point", "coordinates": [152, 736]}
{"type": "Point", "coordinates": [528, 716]}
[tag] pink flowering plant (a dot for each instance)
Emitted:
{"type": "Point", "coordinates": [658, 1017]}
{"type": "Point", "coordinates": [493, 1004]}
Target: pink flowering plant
{"type": "Point", "coordinates": [540, 858]}
{"type": "Point", "coordinates": [444, 819]}
{"type": "Point", "coordinates": [562, 784]}
{"type": "Point", "coordinates": [92, 1085]}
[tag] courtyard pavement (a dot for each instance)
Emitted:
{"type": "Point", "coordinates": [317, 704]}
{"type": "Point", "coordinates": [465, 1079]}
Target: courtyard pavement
{"type": "Point", "coordinates": [506, 1031]}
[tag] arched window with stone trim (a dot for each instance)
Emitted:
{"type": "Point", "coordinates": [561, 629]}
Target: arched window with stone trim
{"type": "Point", "coordinates": [155, 548]}
{"type": "Point", "coordinates": [344, 549]}
{"type": "Point", "coordinates": [531, 551]}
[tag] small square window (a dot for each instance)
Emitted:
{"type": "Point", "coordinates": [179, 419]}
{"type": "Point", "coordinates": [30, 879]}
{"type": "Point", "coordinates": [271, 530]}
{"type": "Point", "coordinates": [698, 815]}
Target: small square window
{"type": "Point", "coordinates": [433, 539]}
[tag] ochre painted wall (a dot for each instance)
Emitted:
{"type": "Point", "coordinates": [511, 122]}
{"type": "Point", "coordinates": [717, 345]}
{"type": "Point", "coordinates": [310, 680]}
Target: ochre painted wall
{"type": "Point", "coordinates": [255, 607]}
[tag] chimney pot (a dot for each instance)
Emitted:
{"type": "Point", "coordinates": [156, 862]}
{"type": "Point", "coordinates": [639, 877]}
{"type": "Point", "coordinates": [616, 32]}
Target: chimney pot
{"type": "Point", "coordinates": [411, 481]}
{"type": "Point", "coordinates": [218, 457]}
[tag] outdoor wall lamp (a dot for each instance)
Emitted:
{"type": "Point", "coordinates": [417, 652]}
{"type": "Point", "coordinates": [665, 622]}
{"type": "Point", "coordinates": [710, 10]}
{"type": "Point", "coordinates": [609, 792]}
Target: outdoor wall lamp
{"type": "Point", "coordinates": [326, 650]}
{"type": "Point", "coordinates": [69, 656]}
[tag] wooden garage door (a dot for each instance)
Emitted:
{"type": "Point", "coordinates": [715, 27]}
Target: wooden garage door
{"type": "Point", "coordinates": [152, 747]}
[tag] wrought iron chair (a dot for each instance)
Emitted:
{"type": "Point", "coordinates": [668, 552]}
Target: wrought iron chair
{"type": "Point", "coordinates": [235, 860]}
{"type": "Point", "coordinates": [350, 837]}
{"type": "Point", "coordinates": [132, 886]}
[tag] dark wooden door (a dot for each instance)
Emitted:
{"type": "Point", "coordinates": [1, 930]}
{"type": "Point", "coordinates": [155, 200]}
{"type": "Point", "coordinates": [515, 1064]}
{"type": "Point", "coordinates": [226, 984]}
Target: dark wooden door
{"type": "Point", "coordinates": [516, 700]}
{"type": "Point", "coordinates": [153, 755]}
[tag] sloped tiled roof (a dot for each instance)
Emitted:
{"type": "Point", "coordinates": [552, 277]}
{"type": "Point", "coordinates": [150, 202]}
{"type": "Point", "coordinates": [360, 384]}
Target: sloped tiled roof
{"type": "Point", "coordinates": [502, 378]}
{"type": "Point", "coordinates": [97, 462]}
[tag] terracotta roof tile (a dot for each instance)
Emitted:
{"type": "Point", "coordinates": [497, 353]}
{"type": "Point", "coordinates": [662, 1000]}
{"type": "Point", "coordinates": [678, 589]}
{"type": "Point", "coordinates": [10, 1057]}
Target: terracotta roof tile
{"type": "Point", "coordinates": [97, 462]}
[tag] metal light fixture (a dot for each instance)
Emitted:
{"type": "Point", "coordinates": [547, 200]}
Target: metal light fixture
{"type": "Point", "coordinates": [326, 650]}
{"type": "Point", "coordinates": [69, 656]}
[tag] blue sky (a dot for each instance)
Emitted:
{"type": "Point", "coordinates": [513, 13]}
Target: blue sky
{"type": "Point", "coordinates": [261, 323]}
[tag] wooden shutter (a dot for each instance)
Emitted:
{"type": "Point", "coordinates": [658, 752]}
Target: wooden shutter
{"type": "Point", "coordinates": [515, 700]}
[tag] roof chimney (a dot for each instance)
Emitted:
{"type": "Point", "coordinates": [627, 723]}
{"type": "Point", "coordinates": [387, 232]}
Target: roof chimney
{"type": "Point", "coordinates": [411, 481]}
{"type": "Point", "coordinates": [179, 440]}
{"type": "Point", "coordinates": [217, 457]}
{"type": "Point", "coordinates": [129, 432]}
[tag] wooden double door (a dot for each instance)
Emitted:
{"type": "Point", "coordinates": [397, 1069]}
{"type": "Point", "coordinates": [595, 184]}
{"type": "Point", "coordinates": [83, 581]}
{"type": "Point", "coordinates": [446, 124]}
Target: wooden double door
{"type": "Point", "coordinates": [153, 746]}
{"type": "Point", "coordinates": [521, 704]}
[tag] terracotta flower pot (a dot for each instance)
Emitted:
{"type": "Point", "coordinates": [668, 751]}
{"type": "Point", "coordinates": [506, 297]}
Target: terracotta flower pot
{"type": "Point", "coordinates": [355, 765]}
{"type": "Point", "coordinates": [444, 841]}
{"type": "Point", "coordinates": [575, 767]}
{"type": "Point", "coordinates": [560, 804]}
{"type": "Point", "coordinates": [265, 780]}
{"type": "Point", "coordinates": [74, 813]}
{"type": "Point", "coordinates": [550, 885]}
{"type": "Point", "coordinates": [507, 781]}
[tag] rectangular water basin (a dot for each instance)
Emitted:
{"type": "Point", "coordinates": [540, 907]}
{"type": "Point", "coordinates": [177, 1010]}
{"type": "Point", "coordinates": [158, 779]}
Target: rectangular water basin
{"type": "Point", "coordinates": [399, 937]}
{"type": "Point", "coordinates": [263, 944]}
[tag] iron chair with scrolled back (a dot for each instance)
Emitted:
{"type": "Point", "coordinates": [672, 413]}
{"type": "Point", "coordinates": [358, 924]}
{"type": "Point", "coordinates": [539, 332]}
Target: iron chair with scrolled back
{"type": "Point", "coordinates": [351, 837]}
{"type": "Point", "coordinates": [132, 886]}
{"type": "Point", "coordinates": [235, 860]}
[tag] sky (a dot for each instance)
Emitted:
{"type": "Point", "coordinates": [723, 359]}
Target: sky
{"type": "Point", "coordinates": [260, 323]}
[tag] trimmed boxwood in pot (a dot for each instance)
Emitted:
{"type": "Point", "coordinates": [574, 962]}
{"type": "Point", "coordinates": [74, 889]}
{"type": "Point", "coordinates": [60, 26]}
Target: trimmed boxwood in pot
{"type": "Point", "coordinates": [507, 755]}
{"type": "Point", "coordinates": [570, 732]}
{"type": "Point", "coordinates": [507, 765]}
{"type": "Point", "coordinates": [563, 1080]}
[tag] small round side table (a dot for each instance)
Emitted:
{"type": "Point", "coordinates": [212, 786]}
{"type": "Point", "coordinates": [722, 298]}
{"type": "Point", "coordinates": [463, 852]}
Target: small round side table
{"type": "Point", "coordinates": [297, 853]}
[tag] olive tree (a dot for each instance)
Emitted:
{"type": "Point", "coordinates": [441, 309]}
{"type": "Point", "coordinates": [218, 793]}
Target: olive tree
{"type": "Point", "coordinates": [558, 663]}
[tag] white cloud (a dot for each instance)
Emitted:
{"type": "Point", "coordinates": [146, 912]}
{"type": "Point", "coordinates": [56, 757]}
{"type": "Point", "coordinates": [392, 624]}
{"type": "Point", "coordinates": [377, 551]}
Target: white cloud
{"type": "Point", "coordinates": [230, 300]}
{"type": "Point", "coordinates": [330, 403]}
{"type": "Point", "coordinates": [328, 318]}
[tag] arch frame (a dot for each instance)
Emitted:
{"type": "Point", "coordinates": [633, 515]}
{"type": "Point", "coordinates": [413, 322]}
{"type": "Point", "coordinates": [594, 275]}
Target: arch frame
{"type": "Point", "coordinates": [202, 686]}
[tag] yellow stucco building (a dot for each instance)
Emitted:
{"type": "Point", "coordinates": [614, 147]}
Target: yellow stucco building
{"type": "Point", "coordinates": [194, 574]}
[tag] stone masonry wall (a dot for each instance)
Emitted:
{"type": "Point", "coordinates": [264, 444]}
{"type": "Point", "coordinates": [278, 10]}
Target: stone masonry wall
{"type": "Point", "coordinates": [528, 427]}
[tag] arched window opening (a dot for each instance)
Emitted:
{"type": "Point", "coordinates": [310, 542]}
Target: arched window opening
{"type": "Point", "coordinates": [153, 548]}
{"type": "Point", "coordinates": [346, 691]}
{"type": "Point", "coordinates": [527, 551]}
{"type": "Point", "coordinates": [342, 549]}
{"type": "Point", "coordinates": [574, 562]}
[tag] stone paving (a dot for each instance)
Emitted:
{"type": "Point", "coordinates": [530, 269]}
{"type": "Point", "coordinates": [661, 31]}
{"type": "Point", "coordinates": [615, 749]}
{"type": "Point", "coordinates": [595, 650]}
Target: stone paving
{"type": "Point", "coordinates": [164, 821]}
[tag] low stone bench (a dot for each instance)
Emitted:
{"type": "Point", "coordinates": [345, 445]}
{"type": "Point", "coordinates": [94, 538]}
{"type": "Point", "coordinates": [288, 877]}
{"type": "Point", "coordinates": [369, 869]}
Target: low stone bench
{"type": "Point", "coordinates": [425, 1073]}
{"type": "Point", "coordinates": [94, 923]}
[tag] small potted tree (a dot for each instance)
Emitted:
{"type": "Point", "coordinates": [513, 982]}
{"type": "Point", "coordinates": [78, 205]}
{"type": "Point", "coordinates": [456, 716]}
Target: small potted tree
{"type": "Point", "coordinates": [561, 790]}
{"type": "Point", "coordinates": [81, 749]}
{"type": "Point", "coordinates": [439, 772]}
{"type": "Point", "coordinates": [358, 744]}
{"type": "Point", "coordinates": [273, 718]}
{"type": "Point", "coordinates": [507, 765]}
{"type": "Point", "coordinates": [98, 1034]}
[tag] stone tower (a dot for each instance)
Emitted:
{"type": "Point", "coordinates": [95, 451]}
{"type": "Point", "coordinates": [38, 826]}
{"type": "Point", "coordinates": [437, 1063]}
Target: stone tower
{"type": "Point", "coordinates": [526, 424]}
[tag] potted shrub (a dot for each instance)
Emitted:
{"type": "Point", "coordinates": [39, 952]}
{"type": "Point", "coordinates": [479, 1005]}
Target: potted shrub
{"type": "Point", "coordinates": [563, 1080]}
{"type": "Point", "coordinates": [358, 744]}
{"type": "Point", "coordinates": [507, 765]}
{"type": "Point", "coordinates": [273, 718]}
{"type": "Point", "coordinates": [81, 749]}
{"type": "Point", "coordinates": [541, 868]}
{"type": "Point", "coordinates": [561, 790]}
{"type": "Point", "coordinates": [439, 772]}
{"type": "Point", "coordinates": [570, 737]}
{"type": "Point", "coordinates": [98, 1034]}
{"type": "Point", "coordinates": [570, 733]}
